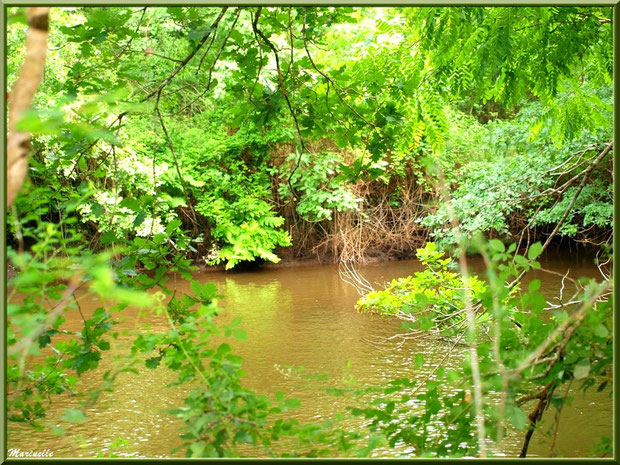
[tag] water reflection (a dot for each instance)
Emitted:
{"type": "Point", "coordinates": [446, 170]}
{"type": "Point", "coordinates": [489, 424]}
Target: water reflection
{"type": "Point", "coordinates": [304, 336]}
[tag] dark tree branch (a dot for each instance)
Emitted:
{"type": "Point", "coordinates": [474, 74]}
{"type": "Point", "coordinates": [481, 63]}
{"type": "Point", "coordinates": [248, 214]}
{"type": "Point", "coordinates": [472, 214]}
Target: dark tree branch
{"type": "Point", "coordinates": [290, 30]}
{"type": "Point", "coordinates": [330, 80]}
{"type": "Point", "coordinates": [219, 53]}
{"type": "Point", "coordinates": [260, 63]}
{"type": "Point", "coordinates": [161, 87]}
{"type": "Point", "coordinates": [212, 67]}
{"type": "Point", "coordinates": [187, 59]}
{"type": "Point", "coordinates": [585, 176]}
{"type": "Point", "coordinates": [204, 55]}
{"type": "Point", "coordinates": [147, 53]}
{"type": "Point", "coordinates": [536, 415]}
{"type": "Point", "coordinates": [178, 169]}
{"type": "Point", "coordinates": [126, 46]}
{"type": "Point", "coordinates": [279, 71]}
{"type": "Point", "coordinates": [286, 98]}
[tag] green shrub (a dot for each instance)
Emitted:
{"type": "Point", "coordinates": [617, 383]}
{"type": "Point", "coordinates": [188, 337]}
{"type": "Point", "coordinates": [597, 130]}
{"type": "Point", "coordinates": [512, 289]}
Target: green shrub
{"type": "Point", "coordinates": [435, 290]}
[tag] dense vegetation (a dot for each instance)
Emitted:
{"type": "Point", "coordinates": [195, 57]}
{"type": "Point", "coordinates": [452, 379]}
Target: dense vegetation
{"type": "Point", "coordinates": [164, 139]}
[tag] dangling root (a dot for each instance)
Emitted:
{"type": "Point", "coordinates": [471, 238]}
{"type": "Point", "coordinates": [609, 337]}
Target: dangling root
{"type": "Point", "coordinates": [350, 275]}
{"type": "Point", "coordinates": [378, 228]}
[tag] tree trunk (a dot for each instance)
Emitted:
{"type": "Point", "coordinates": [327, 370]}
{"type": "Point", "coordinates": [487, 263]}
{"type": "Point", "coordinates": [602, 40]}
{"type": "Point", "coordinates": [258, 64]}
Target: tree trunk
{"type": "Point", "coordinates": [22, 94]}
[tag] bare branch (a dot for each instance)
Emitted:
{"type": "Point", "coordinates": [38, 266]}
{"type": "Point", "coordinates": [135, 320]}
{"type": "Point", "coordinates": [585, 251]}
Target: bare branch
{"type": "Point", "coordinates": [178, 169]}
{"type": "Point", "coordinates": [284, 94]}
{"type": "Point", "coordinates": [330, 80]}
{"type": "Point", "coordinates": [187, 59]}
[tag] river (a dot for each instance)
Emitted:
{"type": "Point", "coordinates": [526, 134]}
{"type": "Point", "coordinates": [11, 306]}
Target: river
{"type": "Point", "coordinates": [299, 321]}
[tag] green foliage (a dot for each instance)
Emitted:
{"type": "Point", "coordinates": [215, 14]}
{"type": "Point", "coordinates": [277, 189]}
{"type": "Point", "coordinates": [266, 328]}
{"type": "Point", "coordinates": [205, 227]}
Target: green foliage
{"type": "Point", "coordinates": [514, 177]}
{"type": "Point", "coordinates": [594, 207]}
{"type": "Point", "coordinates": [525, 49]}
{"type": "Point", "coordinates": [162, 137]}
{"type": "Point", "coordinates": [219, 414]}
{"type": "Point", "coordinates": [314, 178]}
{"type": "Point", "coordinates": [603, 449]}
{"type": "Point", "coordinates": [433, 423]}
{"type": "Point", "coordinates": [44, 357]}
{"type": "Point", "coordinates": [435, 296]}
{"type": "Point", "coordinates": [528, 355]}
{"type": "Point", "coordinates": [394, 90]}
{"type": "Point", "coordinates": [249, 229]}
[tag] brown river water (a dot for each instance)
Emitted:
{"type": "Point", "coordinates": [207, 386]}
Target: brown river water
{"type": "Point", "coordinates": [294, 317]}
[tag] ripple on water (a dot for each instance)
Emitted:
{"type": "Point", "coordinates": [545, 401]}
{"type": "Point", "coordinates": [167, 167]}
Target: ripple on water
{"type": "Point", "coordinates": [303, 318]}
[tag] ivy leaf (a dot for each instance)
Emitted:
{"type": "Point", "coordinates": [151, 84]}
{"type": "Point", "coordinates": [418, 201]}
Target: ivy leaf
{"type": "Point", "coordinates": [534, 285]}
{"type": "Point", "coordinates": [174, 224]}
{"type": "Point", "coordinates": [517, 417]}
{"type": "Point", "coordinates": [497, 245]}
{"type": "Point", "coordinates": [522, 261]}
{"type": "Point", "coordinates": [130, 203]}
{"type": "Point", "coordinates": [582, 369]}
{"type": "Point", "coordinates": [139, 218]}
{"type": "Point", "coordinates": [197, 449]}
{"type": "Point", "coordinates": [108, 238]}
{"type": "Point", "coordinates": [45, 338]}
{"type": "Point", "coordinates": [534, 251]}
{"type": "Point", "coordinates": [601, 331]}
{"type": "Point", "coordinates": [73, 415]}
{"type": "Point", "coordinates": [97, 210]}
{"type": "Point", "coordinates": [239, 334]}
{"type": "Point", "coordinates": [58, 430]}
{"type": "Point", "coordinates": [244, 436]}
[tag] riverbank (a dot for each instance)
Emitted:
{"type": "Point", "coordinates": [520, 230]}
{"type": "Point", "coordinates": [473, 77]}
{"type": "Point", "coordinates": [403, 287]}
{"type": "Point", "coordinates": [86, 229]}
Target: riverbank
{"type": "Point", "coordinates": [288, 259]}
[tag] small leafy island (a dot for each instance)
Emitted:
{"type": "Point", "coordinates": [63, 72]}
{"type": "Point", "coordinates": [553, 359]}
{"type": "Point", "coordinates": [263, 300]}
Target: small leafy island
{"type": "Point", "coordinates": [148, 144]}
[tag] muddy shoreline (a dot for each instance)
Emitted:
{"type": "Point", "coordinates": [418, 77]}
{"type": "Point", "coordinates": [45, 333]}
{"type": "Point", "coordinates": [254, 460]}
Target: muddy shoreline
{"type": "Point", "coordinates": [289, 260]}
